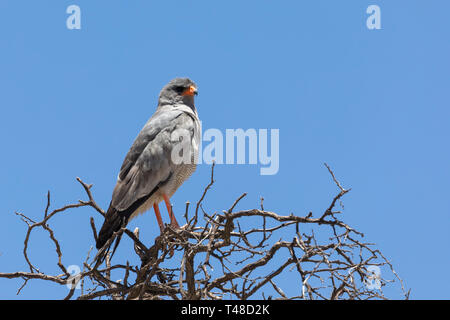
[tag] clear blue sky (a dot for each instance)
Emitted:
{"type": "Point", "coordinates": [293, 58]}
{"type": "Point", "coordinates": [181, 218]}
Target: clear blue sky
{"type": "Point", "coordinates": [373, 104]}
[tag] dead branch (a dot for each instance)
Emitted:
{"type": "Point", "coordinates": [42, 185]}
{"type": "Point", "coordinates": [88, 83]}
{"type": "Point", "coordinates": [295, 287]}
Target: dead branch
{"type": "Point", "coordinates": [218, 257]}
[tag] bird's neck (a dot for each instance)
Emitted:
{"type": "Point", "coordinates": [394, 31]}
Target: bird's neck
{"type": "Point", "coordinates": [188, 101]}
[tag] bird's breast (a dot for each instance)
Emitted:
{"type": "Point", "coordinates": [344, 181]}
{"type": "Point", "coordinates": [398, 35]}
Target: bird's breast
{"type": "Point", "coordinates": [180, 175]}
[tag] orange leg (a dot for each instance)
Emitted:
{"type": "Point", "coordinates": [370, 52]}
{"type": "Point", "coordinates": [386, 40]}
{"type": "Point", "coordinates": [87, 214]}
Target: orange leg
{"type": "Point", "coordinates": [158, 217]}
{"type": "Point", "coordinates": [173, 221]}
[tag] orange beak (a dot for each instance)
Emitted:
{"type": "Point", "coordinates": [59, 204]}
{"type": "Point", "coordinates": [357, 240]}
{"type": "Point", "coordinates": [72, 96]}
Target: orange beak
{"type": "Point", "coordinates": [191, 91]}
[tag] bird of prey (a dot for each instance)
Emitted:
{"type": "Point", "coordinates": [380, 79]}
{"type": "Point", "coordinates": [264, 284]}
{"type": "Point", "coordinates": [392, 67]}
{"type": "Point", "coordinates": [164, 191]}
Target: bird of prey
{"type": "Point", "coordinates": [161, 158]}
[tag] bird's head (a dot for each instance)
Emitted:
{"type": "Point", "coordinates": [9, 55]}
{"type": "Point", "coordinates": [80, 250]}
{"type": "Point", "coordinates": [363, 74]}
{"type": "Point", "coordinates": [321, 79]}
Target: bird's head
{"type": "Point", "coordinates": [178, 90]}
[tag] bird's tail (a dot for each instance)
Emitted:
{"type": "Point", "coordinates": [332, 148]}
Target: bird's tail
{"type": "Point", "coordinates": [114, 221]}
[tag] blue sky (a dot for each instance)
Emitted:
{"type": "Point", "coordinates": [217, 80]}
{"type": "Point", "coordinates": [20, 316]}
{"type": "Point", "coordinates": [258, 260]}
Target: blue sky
{"type": "Point", "coordinates": [373, 104]}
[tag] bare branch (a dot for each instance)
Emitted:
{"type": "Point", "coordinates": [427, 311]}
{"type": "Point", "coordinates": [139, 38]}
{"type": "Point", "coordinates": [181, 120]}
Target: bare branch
{"type": "Point", "coordinates": [228, 254]}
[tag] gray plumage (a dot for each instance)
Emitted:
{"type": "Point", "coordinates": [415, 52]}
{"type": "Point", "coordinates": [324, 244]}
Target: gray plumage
{"type": "Point", "coordinates": [152, 166]}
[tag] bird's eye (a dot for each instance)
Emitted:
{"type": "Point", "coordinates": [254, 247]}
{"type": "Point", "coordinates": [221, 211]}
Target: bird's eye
{"type": "Point", "coordinates": [179, 89]}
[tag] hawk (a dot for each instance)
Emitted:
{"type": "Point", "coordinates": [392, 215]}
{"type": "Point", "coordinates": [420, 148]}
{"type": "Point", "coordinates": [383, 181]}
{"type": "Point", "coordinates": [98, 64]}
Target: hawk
{"type": "Point", "coordinates": [152, 170]}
